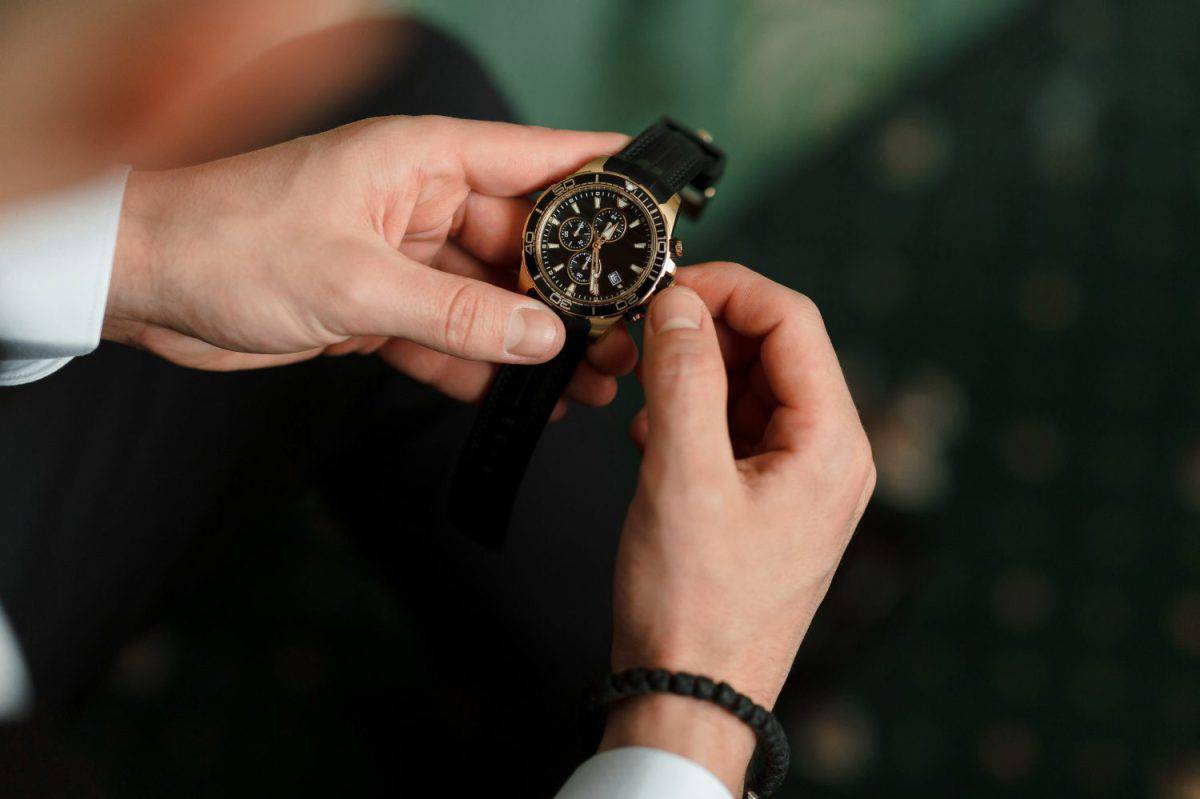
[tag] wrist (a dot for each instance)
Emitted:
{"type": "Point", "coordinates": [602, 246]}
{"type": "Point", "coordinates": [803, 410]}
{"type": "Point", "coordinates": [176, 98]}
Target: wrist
{"type": "Point", "coordinates": [130, 288]}
{"type": "Point", "coordinates": [752, 670]}
{"type": "Point", "coordinates": [702, 732]}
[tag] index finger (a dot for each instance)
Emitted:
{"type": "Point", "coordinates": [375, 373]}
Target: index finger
{"type": "Point", "coordinates": [501, 159]}
{"type": "Point", "coordinates": [798, 359]}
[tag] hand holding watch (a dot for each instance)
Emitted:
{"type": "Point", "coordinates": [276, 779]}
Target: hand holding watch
{"type": "Point", "coordinates": [625, 205]}
{"type": "Point", "coordinates": [755, 471]}
{"type": "Point", "coordinates": [727, 499]}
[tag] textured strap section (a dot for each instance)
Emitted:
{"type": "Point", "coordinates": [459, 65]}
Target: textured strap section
{"type": "Point", "coordinates": [503, 438]}
{"type": "Point", "coordinates": [772, 740]}
{"type": "Point", "coordinates": [668, 157]}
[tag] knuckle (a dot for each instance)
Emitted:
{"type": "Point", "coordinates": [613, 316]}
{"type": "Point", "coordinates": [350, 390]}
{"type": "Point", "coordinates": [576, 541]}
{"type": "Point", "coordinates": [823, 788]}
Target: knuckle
{"type": "Point", "coordinates": [365, 135]}
{"type": "Point", "coordinates": [374, 126]}
{"type": "Point", "coordinates": [435, 123]}
{"type": "Point", "coordinates": [806, 307]}
{"type": "Point", "coordinates": [686, 363]}
{"type": "Point", "coordinates": [375, 144]}
{"type": "Point", "coordinates": [722, 271]}
{"type": "Point", "coordinates": [386, 128]}
{"type": "Point", "coordinates": [739, 270]}
{"type": "Point", "coordinates": [850, 462]}
{"type": "Point", "coordinates": [865, 458]}
{"type": "Point", "coordinates": [872, 480]}
{"type": "Point", "coordinates": [465, 312]}
{"type": "Point", "coordinates": [432, 130]}
{"type": "Point", "coordinates": [705, 499]}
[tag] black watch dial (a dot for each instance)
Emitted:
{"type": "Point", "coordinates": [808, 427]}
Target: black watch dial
{"type": "Point", "coordinates": [597, 243]}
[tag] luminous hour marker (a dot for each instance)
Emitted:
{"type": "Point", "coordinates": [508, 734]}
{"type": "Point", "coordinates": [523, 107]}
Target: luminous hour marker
{"type": "Point", "coordinates": [635, 223]}
{"type": "Point", "coordinates": [557, 268]}
{"type": "Point", "coordinates": [571, 289]}
{"type": "Point", "coordinates": [551, 246]}
{"type": "Point", "coordinates": [637, 270]}
{"type": "Point", "coordinates": [621, 203]}
{"type": "Point", "coordinates": [597, 198]}
{"type": "Point", "coordinates": [552, 221]}
{"type": "Point", "coordinates": [629, 186]}
{"type": "Point", "coordinates": [641, 245]}
{"type": "Point", "coordinates": [575, 207]}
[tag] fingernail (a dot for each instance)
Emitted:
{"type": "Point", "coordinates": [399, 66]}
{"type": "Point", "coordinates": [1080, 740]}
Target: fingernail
{"type": "Point", "coordinates": [531, 332]}
{"type": "Point", "coordinates": [678, 308]}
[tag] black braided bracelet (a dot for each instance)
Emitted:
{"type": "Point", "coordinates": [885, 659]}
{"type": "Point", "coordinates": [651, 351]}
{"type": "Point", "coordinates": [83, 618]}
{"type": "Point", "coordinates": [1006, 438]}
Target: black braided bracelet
{"type": "Point", "coordinates": [772, 741]}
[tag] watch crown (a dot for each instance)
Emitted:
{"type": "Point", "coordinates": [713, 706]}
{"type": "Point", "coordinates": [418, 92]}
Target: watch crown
{"type": "Point", "coordinates": [677, 248]}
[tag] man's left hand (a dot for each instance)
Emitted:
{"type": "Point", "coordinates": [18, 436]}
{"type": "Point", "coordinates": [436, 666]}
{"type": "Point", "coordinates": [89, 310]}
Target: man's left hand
{"type": "Point", "coordinates": [399, 236]}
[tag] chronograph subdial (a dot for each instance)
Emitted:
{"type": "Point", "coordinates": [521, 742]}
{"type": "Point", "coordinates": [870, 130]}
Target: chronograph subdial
{"type": "Point", "coordinates": [579, 267]}
{"type": "Point", "coordinates": [609, 224]}
{"type": "Point", "coordinates": [575, 233]}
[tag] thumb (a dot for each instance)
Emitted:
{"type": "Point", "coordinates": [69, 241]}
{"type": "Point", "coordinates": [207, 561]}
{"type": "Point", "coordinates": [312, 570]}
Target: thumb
{"type": "Point", "coordinates": [400, 298]}
{"type": "Point", "coordinates": [683, 374]}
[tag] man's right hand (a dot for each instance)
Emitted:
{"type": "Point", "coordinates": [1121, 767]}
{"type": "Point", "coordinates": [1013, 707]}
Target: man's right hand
{"type": "Point", "coordinates": [755, 474]}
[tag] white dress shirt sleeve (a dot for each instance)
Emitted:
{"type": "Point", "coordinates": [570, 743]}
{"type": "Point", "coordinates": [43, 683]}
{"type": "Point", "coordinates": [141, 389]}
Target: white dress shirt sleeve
{"type": "Point", "coordinates": [56, 256]}
{"type": "Point", "coordinates": [15, 693]}
{"type": "Point", "coordinates": [638, 772]}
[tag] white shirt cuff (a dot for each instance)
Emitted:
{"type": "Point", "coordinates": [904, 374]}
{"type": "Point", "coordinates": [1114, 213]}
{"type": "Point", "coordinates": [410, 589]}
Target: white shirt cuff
{"type": "Point", "coordinates": [15, 693]}
{"type": "Point", "coordinates": [56, 257]}
{"type": "Point", "coordinates": [639, 772]}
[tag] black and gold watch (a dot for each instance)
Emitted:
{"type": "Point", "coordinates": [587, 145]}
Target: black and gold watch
{"type": "Point", "coordinates": [597, 246]}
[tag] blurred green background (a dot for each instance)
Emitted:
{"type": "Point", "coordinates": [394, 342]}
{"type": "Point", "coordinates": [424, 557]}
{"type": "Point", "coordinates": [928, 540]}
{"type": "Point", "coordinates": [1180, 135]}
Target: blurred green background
{"type": "Point", "coordinates": [995, 203]}
{"type": "Point", "coordinates": [775, 82]}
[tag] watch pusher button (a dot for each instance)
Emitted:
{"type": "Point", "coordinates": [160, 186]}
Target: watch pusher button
{"type": "Point", "coordinates": [677, 248]}
{"type": "Point", "coordinates": [639, 313]}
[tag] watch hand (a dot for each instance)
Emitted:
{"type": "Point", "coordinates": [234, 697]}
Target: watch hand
{"type": "Point", "coordinates": [594, 281]}
{"type": "Point", "coordinates": [601, 240]}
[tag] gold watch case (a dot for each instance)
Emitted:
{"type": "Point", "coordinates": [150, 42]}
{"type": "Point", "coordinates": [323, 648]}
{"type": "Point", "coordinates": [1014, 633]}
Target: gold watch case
{"type": "Point", "coordinates": [662, 270]}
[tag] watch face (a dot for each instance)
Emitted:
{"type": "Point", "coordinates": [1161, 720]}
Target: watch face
{"type": "Point", "coordinates": [595, 244]}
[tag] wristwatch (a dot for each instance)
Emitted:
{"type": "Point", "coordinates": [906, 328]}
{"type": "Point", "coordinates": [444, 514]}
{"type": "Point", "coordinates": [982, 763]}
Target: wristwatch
{"type": "Point", "coordinates": [597, 246]}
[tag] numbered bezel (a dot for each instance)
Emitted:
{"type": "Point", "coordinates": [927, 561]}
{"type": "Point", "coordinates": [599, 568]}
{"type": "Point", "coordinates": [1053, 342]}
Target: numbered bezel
{"type": "Point", "coordinates": [545, 289]}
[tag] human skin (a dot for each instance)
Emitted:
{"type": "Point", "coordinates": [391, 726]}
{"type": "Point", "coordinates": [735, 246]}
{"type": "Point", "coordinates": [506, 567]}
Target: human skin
{"type": "Point", "coordinates": [756, 471]}
{"type": "Point", "coordinates": [397, 236]}
{"type": "Point", "coordinates": [721, 566]}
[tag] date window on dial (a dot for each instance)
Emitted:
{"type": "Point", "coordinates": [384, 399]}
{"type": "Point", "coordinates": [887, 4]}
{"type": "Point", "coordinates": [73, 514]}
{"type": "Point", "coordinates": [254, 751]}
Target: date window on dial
{"type": "Point", "coordinates": [614, 278]}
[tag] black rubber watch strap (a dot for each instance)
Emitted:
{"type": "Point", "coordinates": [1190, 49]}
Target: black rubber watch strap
{"type": "Point", "coordinates": [668, 158]}
{"type": "Point", "coordinates": [504, 435]}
